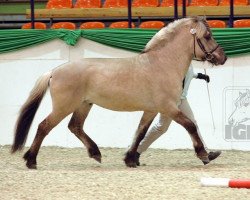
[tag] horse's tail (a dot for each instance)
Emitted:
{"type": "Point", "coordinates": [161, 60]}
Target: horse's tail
{"type": "Point", "coordinates": [28, 111]}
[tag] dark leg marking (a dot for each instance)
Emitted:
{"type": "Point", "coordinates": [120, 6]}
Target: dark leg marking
{"type": "Point", "coordinates": [201, 153]}
{"type": "Point", "coordinates": [76, 127]}
{"type": "Point", "coordinates": [31, 154]}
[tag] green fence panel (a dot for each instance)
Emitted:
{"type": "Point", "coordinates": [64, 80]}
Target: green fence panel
{"type": "Point", "coordinates": [235, 41]}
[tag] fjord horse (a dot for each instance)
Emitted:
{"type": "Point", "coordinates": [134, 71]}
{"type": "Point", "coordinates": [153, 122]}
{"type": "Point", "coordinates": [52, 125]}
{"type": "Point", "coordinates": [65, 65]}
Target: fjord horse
{"type": "Point", "coordinates": [149, 82]}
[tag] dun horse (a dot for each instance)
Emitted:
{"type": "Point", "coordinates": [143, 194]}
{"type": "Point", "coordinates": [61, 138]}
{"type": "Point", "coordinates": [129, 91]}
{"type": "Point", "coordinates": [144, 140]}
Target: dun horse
{"type": "Point", "coordinates": [149, 82]}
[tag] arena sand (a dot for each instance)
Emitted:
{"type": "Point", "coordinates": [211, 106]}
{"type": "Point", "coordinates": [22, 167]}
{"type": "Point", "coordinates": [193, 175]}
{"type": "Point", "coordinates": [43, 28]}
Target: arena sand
{"type": "Point", "coordinates": [68, 174]}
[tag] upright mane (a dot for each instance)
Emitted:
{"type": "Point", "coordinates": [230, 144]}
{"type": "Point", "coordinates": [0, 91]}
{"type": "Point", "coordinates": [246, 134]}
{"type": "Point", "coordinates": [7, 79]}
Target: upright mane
{"type": "Point", "coordinates": [167, 33]}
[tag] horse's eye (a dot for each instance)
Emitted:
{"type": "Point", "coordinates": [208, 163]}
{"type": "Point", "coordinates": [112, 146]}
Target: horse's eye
{"type": "Point", "coordinates": [207, 37]}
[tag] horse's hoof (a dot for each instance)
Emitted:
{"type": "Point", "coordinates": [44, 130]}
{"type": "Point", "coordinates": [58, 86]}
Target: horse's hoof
{"type": "Point", "coordinates": [131, 165]}
{"type": "Point", "coordinates": [202, 154]}
{"type": "Point", "coordinates": [95, 154]}
{"type": "Point", "coordinates": [213, 155]}
{"type": "Point", "coordinates": [205, 162]}
{"type": "Point", "coordinates": [30, 160]}
{"type": "Point", "coordinates": [98, 158]}
{"type": "Point", "coordinates": [204, 159]}
{"type": "Point", "coordinates": [31, 166]}
{"type": "Point", "coordinates": [131, 160]}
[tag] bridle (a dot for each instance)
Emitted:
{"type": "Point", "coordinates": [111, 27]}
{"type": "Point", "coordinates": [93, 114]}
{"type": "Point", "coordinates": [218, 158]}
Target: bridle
{"type": "Point", "coordinates": [208, 54]}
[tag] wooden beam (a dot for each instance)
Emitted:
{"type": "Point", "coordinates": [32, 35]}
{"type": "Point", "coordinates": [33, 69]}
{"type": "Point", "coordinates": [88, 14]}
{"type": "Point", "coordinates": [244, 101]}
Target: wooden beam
{"type": "Point", "coordinates": [137, 12]}
{"type": "Point", "coordinates": [218, 10]}
{"type": "Point", "coordinates": [18, 8]}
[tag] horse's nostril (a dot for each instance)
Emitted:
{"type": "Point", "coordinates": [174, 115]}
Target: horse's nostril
{"type": "Point", "coordinates": [223, 61]}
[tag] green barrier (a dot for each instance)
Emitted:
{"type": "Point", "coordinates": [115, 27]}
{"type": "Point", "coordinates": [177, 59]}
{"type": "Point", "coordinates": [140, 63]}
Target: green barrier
{"type": "Point", "coordinates": [235, 41]}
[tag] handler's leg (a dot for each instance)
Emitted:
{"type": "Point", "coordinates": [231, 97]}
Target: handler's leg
{"type": "Point", "coordinates": [154, 133]}
{"type": "Point", "coordinates": [131, 155]}
{"type": "Point", "coordinates": [186, 109]}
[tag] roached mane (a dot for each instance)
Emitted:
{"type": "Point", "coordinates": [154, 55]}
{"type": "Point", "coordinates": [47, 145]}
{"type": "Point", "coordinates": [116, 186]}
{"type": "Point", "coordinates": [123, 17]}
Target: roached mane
{"type": "Point", "coordinates": [166, 33]}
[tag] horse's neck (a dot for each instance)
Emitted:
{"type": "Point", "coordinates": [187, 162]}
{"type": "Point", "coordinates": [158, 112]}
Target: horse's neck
{"type": "Point", "coordinates": [180, 53]}
{"type": "Point", "coordinates": [176, 54]}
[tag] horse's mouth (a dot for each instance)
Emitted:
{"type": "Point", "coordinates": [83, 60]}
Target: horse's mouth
{"type": "Point", "coordinates": [213, 61]}
{"type": "Point", "coordinates": [216, 61]}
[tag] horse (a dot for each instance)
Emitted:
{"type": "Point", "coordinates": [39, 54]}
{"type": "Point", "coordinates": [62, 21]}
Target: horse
{"type": "Point", "coordinates": [150, 81]}
{"type": "Point", "coordinates": [242, 109]}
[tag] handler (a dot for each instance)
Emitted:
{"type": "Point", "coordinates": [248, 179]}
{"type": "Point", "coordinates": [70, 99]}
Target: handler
{"type": "Point", "coordinates": [162, 125]}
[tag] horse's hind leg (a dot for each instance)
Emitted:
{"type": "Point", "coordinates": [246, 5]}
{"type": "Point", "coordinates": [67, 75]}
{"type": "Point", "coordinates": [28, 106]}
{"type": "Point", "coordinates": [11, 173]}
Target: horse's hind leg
{"type": "Point", "coordinates": [76, 126]}
{"type": "Point", "coordinates": [183, 120]}
{"type": "Point", "coordinates": [43, 129]}
{"type": "Point", "coordinates": [146, 120]}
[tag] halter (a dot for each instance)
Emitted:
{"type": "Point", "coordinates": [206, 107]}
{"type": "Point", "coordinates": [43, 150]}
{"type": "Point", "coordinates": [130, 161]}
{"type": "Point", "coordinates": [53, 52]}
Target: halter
{"type": "Point", "coordinates": [208, 55]}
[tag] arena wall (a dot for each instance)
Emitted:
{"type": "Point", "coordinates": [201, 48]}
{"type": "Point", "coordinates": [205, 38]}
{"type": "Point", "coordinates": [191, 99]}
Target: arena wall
{"type": "Point", "coordinates": [19, 71]}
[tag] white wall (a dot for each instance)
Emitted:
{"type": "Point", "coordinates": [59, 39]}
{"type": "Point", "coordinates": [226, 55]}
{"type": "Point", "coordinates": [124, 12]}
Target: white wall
{"type": "Point", "coordinates": [19, 71]}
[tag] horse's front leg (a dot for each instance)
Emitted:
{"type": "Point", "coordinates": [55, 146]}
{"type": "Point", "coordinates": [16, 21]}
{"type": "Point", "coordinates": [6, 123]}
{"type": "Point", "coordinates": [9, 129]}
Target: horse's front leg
{"type": "Point", "coordinates": [76, 127]}
{"type": "Point", "coordinates": [146, 120]}
{"type": "Point", "coordinates": [183, 120]}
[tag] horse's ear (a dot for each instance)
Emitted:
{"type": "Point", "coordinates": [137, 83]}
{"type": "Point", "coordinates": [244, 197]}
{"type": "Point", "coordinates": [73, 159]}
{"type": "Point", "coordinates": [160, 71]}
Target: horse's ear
{"type": "Point", "coordinates": [200, 18]}
{"type": "Point", "coordinates": [204, 18]}
{"type": "Point", "coordinates": [241, 93]}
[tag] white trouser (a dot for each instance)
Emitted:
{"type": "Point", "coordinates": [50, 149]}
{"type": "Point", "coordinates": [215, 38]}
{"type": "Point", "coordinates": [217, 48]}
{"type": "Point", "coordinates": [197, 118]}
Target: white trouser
{"type": "Point", "coordinates": [162, 126]}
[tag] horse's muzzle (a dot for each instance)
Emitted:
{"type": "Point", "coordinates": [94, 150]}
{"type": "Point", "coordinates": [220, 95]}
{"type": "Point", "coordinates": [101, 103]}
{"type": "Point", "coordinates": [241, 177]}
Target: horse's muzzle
{"type": "Point", "coordinates": [218, 57]}
{"type": "Point", "coordinates": [225, 59]}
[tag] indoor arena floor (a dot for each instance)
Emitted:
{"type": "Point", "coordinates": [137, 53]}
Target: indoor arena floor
{"type": "Point", "coordinates": [68, 174]}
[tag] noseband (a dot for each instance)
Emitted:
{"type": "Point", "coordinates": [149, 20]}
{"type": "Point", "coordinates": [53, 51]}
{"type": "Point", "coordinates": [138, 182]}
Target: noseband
{"type": "Point", "coordinates": [208, 55]}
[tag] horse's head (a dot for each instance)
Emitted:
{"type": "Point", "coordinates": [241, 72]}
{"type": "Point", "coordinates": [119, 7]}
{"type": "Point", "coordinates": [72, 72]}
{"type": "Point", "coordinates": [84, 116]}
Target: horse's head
{"type": "Point", "coordinates": [204, 46]}
{"type": "Point", "coordinates": [242, 109]}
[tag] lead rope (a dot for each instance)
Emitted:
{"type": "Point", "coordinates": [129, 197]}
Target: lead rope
{"type": "Point", "coordinates": [210, 104]}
